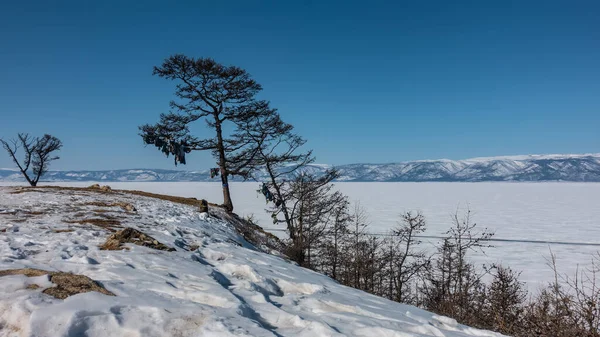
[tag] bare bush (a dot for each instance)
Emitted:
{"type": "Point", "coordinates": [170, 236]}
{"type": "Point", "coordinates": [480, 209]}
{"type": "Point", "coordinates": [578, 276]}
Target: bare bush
{"type": "Point", "coordinates": [453, 286]}
{"type": "Point", "coordinates": [566, 307]}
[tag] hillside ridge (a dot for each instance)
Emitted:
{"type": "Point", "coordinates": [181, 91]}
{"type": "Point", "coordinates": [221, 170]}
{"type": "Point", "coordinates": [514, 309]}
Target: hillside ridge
{"type": "Point", "coordinates": [554, 167]}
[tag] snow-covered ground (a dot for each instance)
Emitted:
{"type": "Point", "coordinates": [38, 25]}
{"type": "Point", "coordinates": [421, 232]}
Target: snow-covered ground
{"type": "Point", "coordinates": [546, 212]}
{"type": "Point", "coordinates": [225, 287]}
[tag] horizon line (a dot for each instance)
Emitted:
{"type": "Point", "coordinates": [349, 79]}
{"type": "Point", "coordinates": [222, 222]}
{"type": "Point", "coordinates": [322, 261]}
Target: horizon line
{"type": "Point", "coordinates": [473, 159]}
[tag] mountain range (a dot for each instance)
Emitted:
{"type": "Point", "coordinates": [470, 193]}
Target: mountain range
{"type": "Point", "coordinates": [570, 167]}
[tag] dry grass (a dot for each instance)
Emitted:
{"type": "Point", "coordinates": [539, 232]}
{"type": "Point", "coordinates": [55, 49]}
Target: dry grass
{"type": "Point", "coordinates": [24, 212]}
{"type": "Point", "coordinates": [52, 189]}
{"type": "Point", "coordinates": [250, 231]}
{"type": "Point", "coordinates": [124, 205]}
{"type": "Point", "coordinates": [67, 230]}
{"type": "Point", "coordinates": [44, 189]}
{"type": "Point", "coordinates": [71, 284]}
{"type": "Point", "coordinates": [179, 200]}
{"type": "Point", "coordinates": [131, 235]}
{"type": "Point", "coordinates": [109, 224]}
{"type": "Point", "coordinates": [111, 244]}
{"type": "Point", "coordinates": [104, 215]}
{"type": "Point", "coordinates": [19, 220]}
{"type": "Point", "coordinates": [26, 189]}
{"type": "Point", "coordinates": [67, 284]}
{"type": "Point", "coordinates": [22, 215]}
{"type": "Point", "coordinates": [29, 272]}
{"type": "Point", "coordinates": [32, 286]}
{"type": "Point", "coordinates": [97, 204]}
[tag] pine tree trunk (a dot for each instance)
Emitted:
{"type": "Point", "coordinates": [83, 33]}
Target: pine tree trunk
{"type": "Point", "coordinates": [226, 194]}
{"type": "Point", "coordinates": [223, 166]}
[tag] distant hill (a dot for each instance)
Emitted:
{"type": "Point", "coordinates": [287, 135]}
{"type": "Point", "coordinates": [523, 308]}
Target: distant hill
{"type": "Point", "coordinates": [576, 167]}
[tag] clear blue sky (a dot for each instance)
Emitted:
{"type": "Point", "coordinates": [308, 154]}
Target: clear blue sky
{"type": "Point", "coordinates": [363, 81]}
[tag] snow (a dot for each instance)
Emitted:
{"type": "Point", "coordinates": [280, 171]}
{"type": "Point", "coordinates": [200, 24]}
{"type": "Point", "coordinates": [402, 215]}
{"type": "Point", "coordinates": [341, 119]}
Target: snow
{"type": "Point", "coordinates": [226, 287]}
{"type": "Point", "coordinates": [511, 158]}
{"type": "Point", "coordinates": [534, 157]}
{"type": "Point", "coordinates": [563, 217]}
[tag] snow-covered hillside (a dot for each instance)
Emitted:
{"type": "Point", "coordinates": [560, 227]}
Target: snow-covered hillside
{"type": "Point", "coordinates": [214, 284]}
{"type": "Point", "coordinates": [517, 168]}
{"type": "Point", "coordinates": [585, 167]}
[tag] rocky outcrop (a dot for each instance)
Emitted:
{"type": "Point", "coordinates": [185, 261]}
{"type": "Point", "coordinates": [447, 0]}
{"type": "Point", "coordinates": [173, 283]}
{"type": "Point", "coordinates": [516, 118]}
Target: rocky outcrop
{"type": "Point", "coordinates": [67, 284]}
{"type": "Point", "coordinates": [132, 235]}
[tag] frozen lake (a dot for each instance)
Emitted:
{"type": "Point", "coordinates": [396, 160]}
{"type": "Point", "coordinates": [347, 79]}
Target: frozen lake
{"type": "Point", "coordinates": [565, 216]}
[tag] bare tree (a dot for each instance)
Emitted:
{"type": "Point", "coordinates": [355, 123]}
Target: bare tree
{"type": "Point", "coordinates": [222, 96]}
{"type": "Point", "coordinates": [406, 261]}
{"type": "Point", "coordinates": [37, 154]}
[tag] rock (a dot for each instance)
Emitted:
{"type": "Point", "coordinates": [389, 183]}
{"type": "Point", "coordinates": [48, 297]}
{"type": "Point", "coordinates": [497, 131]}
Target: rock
{"type": "Point", "coordinates": [126, 206]}
{"type": "Point", "coordinates": [67, 284]}
{"type": "Point", "coordinates": [71, 284]}
{"type": "Point", "coordinates": [203, 206]}
{"type": "Point", "coordinates": [104, 188]}
{"type": "Point", "coordinates": [131, 235]}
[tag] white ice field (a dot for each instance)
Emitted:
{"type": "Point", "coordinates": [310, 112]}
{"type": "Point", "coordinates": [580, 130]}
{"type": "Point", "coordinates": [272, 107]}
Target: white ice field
{"type": "Point", "coordinates": [534, 217]}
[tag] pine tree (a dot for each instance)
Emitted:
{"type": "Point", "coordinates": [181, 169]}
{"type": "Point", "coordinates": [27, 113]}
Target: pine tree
{"type": "Point", "coordinates": [225, 98]}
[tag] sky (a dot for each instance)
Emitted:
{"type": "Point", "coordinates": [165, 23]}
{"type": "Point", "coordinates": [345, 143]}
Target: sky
{"type": "Point", "coordinates": [362, 81]}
